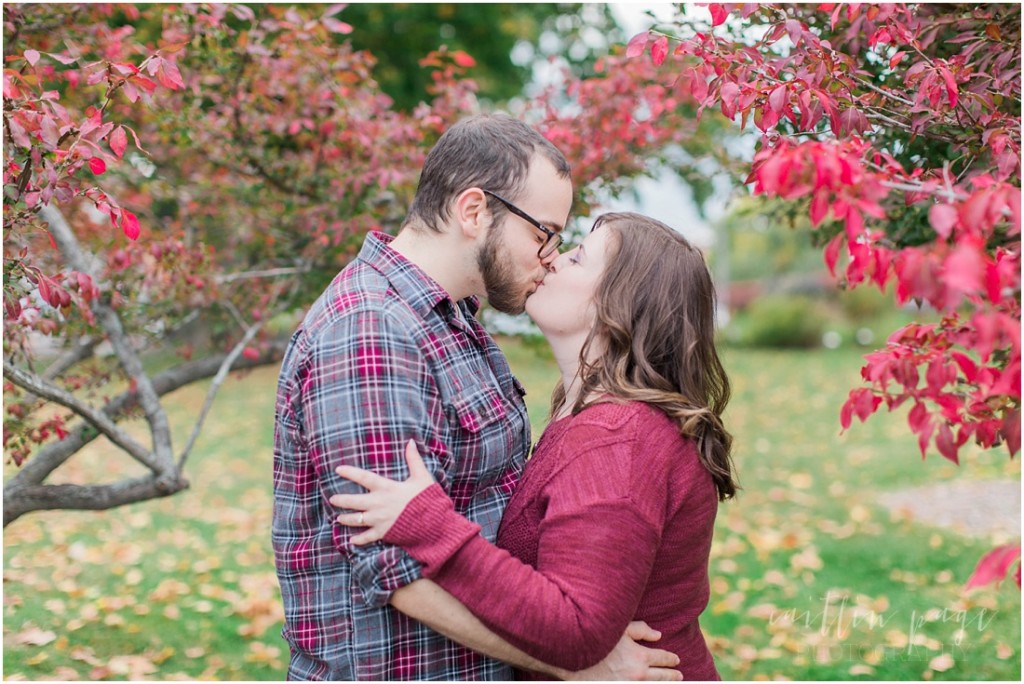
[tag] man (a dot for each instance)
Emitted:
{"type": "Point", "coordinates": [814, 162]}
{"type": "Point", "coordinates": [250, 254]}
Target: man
{"type": "Point", "coordinates": [391, 352]}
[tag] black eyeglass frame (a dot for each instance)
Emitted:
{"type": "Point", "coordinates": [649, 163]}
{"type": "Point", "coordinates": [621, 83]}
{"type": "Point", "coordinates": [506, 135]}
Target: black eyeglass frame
{"type": "Point", "coordinates": [553, 241]}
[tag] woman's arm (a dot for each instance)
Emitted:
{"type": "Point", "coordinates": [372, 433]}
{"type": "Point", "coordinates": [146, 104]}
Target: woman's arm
{"type": "Point", "coordinates": [427, 602]}
{"type": "Point", "coordinates": [596, 552]}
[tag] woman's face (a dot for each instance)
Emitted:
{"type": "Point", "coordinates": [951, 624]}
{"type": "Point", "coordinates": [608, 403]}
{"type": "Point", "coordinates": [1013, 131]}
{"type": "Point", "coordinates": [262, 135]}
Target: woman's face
{"type": "Point", "coordinates": [563, 304]}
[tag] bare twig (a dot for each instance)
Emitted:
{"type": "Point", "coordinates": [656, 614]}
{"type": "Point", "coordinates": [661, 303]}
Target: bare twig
{"type": "Point", "coordinates": [80, 351]}
{"type": "Point", "coordinates": [218, 380]}
{"type": "Point", "coordinates": [941, 192]}
{"type": "Point", "coordinates": [268, 273]}
{"type": "Point", "coordinates": [885, 93]}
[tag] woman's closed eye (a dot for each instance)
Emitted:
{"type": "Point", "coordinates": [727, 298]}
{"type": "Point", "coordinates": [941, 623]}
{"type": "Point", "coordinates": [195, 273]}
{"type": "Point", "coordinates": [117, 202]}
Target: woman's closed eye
{"type": "Point", "coordinates": [574, 257]}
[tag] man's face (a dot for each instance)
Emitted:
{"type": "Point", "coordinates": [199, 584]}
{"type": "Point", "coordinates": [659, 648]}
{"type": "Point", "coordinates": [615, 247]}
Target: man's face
{"type": "Point", "coordinates": [508, 261]}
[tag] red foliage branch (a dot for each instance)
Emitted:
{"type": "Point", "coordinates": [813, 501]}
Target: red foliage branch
{"type": "Point", "coordinates": [841, 94]}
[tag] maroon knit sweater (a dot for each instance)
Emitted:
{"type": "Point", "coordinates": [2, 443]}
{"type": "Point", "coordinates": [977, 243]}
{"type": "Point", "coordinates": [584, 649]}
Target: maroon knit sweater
{"type": "Point", "coordinates": [612, 522]}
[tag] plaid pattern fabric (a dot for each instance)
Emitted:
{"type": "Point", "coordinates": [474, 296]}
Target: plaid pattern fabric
{"type": "Point", "coordinates": [384, 355]}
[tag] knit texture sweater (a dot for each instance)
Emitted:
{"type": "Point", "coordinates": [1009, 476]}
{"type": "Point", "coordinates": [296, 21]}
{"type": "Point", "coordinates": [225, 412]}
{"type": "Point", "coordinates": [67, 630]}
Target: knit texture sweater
{"type": "Point", "coordinates": [612, 522]}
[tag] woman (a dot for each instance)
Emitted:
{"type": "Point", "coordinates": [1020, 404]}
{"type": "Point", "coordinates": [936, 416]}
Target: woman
{"type": "Point", "coordinates": [613, 518]}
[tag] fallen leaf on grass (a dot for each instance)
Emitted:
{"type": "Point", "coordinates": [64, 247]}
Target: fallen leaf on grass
{"type": "Point", "coordinates": [941, 663]}
{"type": "Point", "coordinates": [763, 611]}
{"type": "Point", "coordinates": [1003, 651]}
{"type": "Point", "coordinates": [132, 667]}
{"type": "Point", "coordinates": [801, 480]}
{"type": "Point", "coordinates": [85, 655]}
{"type": "Point", "coordinates": [33, 636]}
{"type": "Point", "coordinates": [862, 670]}
{"type": "Point", "coordinates": [259, 652]}
{"type": "Point", "coordinates": [808, 559]}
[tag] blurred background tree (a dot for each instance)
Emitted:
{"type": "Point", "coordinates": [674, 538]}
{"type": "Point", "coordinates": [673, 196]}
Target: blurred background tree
{"type": "Point", "coordinates": [505, 41]}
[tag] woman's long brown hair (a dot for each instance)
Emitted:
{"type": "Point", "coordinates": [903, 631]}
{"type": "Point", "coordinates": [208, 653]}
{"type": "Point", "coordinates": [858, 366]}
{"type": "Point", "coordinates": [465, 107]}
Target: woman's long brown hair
{"type": "Point", "coordinates": [655, 327]}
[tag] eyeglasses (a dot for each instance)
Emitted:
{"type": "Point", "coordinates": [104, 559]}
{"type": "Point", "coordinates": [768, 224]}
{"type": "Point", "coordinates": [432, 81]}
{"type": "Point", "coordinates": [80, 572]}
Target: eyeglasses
{"type": "Point", "coordinates": [553, 239]}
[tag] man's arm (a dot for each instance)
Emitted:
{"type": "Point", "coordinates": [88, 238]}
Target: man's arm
{"type": "Point", "coordinates": [427, 602]}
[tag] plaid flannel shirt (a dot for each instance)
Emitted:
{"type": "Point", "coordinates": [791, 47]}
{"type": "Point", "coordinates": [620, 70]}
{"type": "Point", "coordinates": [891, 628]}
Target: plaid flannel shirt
{"type": "Point", "coordinates": [384, 355]}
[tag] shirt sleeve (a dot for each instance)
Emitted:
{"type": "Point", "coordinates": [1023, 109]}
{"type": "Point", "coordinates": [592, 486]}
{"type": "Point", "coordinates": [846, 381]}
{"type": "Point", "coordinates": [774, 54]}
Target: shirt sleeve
{"type": "Point", "coordinates": [368, 391]}
{"type": "Point", "coordinates": [596, 552]}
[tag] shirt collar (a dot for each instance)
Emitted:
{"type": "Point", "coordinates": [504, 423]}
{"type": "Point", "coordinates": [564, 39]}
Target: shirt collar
{"type": "Point", "coordinates": [412, 284]}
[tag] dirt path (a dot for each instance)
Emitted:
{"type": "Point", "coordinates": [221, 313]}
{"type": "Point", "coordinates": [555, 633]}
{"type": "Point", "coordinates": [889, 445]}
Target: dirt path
{"type": "Point", "coordinates": [976, 508]}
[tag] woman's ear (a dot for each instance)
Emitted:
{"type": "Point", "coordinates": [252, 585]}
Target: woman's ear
{"type": "Point", "coordinates": [472, 213]}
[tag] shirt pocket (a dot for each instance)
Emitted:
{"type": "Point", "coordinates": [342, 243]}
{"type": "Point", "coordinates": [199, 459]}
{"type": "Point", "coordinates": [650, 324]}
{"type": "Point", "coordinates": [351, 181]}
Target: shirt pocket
{"type": "Point", "coordinates": [476, 408]}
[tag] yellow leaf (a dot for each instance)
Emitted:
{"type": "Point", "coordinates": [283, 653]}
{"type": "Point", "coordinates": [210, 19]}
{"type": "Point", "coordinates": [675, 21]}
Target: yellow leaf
{"type": "Point", "coordinates": [862, 670]}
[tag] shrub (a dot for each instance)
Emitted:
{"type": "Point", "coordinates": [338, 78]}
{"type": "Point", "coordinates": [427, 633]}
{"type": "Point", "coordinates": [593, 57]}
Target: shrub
{"type": "Point", "coordinates": [779, 321]}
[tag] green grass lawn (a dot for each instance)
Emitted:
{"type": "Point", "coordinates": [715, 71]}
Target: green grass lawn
{"type": "Point", "coordinates": [811, 579]}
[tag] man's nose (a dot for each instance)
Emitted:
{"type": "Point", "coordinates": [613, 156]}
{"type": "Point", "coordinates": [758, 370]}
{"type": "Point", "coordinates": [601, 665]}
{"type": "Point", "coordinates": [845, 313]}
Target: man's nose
{"type": "Point", "coordinates": [548, 262]}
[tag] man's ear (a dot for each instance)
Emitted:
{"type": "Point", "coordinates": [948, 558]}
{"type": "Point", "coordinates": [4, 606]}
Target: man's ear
{"type": "Point", "coordinates": [472, 213]}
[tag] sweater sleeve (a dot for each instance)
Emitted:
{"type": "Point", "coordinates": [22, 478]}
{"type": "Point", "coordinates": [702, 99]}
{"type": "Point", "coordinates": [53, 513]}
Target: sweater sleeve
{"type": "Point", "coordinates": [595, 555]}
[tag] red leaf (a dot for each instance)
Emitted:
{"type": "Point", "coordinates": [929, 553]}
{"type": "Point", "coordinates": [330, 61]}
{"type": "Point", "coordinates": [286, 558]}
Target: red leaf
{"type": "Point", "coordinates": [97, 165]}
{"type": "Point", "coordinates": [946, 444]}
{"type": "Point", "coordinates": [993, 282]}
{"type": "Point", "coordinates": [31, 56]}
{"type": "Point", "coordinates": [659, 50]}
{"type": "Point", "coordinates": [993, 566]}
{"type": "Point", "coordinates": [729, 94]}
{"type": "Point", "coordinates": [832, 253]}
{"type": "Point", "coordinates": [44, 288]}
{"type": "Point", "coordinates": [968, 367]}
{"type": "Point", "coordinates": [951, 87]}
{"type": "Point", "coordinates": [1011, 431]}
{"type": "Point", "coordinates": [336, 26]}
{"type": "Point", "coordinates": [777, 100]}
{"type": "Point", "coordinates": [819, 207]}
{"type": "Point", "coordinates": [718, 14]}
{"type": "Point", "coordinates": [463, 59]}
{"type": "Point", "coordinates": [972, 212]}
{"type": "Point", "coordinates": [896, 59]}
{"type": "Point", "coordinates": [251, 354]}
{"type": "Point", "coordinates": [637, 45]}
{"type": "Point", "coordinates": [63, 59]}
{"type": "Point", "coordinates": [698, 86]}
{"type": "Point", "coordinates": [918, 418]}
{"type": "Point", "coordinates": [963, 272]}
{"type": "Point", "coordinates": [943, 218]}
{"type": "Point", "coordinates": [795, 30]}
{"type": "Point", "coordinates": [862, 403]}
{"type": "Point", "coordinates": [118, 142]}
{"type": "Point", "coordinates": [169, 76]}
{"type": "Point", "coordinates": [130, 224]}
{"type": "Point", "coordinates": [854, 225]}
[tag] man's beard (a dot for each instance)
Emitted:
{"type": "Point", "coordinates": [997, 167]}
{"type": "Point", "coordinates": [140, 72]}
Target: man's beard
{"type": "Point", "coordinates": [504, 292]}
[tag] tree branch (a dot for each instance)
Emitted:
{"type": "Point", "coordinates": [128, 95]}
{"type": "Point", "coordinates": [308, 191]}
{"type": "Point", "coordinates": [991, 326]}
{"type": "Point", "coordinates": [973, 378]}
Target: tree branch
{"type": "Point", "coordinates": [54, 454]}
{"type": "Point", "coordinates": [22, 500]}
{"type": "Point", "coordinates": [75, 257]}
{"type": "Point", "coordinates": [101, 422]}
